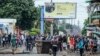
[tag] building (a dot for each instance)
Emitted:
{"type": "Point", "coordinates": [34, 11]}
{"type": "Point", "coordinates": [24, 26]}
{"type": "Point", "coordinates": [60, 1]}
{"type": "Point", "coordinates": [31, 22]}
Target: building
{"type": "Point", "coordinates": [7, 25]}
{"type": "Point", "coordinates": [94, 18]}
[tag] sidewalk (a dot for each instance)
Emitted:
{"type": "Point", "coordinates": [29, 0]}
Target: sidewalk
{"type": "Point", "coordinates": [9, 50]}
{"type": "Point", "coordinates": [19, 50]}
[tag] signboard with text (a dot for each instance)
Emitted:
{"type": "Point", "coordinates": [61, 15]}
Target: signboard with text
{"type": "Point", "coordinates": [60, 10]}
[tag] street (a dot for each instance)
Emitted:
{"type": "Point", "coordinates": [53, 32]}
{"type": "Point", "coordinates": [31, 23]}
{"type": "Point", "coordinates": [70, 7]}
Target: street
{"type": "Point", "coordinates": [19, 52]}
{"type": "Point", "coordinates": [38, 55]}
{"type": "Point", "coordinates": [63, 53]}
{"type": "Point", "coordinates": [24, 55]}
{"type": "Point", "coordinates": [49, 27]}
{"type": "Point", "coordinates": [33, 55]}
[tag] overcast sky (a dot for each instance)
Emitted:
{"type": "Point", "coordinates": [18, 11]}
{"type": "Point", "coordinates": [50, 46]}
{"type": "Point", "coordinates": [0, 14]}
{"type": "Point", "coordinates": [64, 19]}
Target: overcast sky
{"type": "Point", "coordinates": [81, 9]}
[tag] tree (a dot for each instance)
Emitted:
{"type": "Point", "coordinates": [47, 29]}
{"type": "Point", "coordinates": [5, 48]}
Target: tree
{"type": "Point", "coordinates": [23, 10]}
{"type": "Point", "coordinates": [34, 31]}
{"type": "Point", "coordinates": [86, 22]}
{"type": "Point", "coordinates": [37, 21]}
{"type": "Point", "coordinates": [65, 26]}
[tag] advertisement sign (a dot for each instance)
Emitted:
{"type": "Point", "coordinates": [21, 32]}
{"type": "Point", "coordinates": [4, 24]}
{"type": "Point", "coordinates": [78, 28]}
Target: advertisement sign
{"type": "Point", "coordinates": [60, 10]}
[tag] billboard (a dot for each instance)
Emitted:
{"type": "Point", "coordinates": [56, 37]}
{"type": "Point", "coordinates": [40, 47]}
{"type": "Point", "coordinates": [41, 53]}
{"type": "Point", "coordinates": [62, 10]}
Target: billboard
{"type": "Point", "coordinates": [60, 10]}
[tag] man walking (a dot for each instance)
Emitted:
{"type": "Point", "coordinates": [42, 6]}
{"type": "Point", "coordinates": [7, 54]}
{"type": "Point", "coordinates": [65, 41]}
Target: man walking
{"type": "Point", "coordinates": [54, 43]}
{"type": "Point", "coordinates": [81, 45]}
{"type": "Point", "coordinates": [29, 43]}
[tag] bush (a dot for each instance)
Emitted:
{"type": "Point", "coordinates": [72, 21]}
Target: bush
{"type": "Point", "coordinates": [34, 31]}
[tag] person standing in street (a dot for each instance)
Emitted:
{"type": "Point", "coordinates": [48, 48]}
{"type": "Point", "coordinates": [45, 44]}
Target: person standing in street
{"type": "Point", "coordinates": [4, 40]}
{"type": "Point", "coordinates": [64, 42]}
{"type": "Point", "coordinates": [22, 39]}
{"type": "Point", "coordinates": [13, 43]}
{"type": "Point", "coordinates": [72, 43]}
{"type": "Point", "coordinates": [86, 42]}
{"type": "Point", "coordinates": [9, 38]}
{"type": "Point", "coordinates": [54, 43]}
{"type": "Point", "coordinates": [81, 46]}
{"type": "Point", "coordinates": [60, 40]}
{"type": "Point", "coordinates": [29, 43]}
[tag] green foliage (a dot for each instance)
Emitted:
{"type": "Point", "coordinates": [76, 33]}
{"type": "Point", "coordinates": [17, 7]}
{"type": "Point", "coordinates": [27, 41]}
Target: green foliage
{"type": "Point", "coordinates": [86, 22]}
{"type": "Point", "coordinates": [37, 21]}
{"type": "Point", "coordinates": [47, 26]}
{"type": "Point", "coordinates": [34, 31]}
{"type": "Point", "coordinates": [84, 31]}
{"type": "Point", "coordinates": [55, 28]}
{"type": "Point", "coordinates": [22, 10]}
{"type": "Point", "coordinates": [67, 26]}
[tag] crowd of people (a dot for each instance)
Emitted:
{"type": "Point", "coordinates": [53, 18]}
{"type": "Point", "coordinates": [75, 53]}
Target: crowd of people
{"type": "Point", "coordinates": [79, 43]}
{"type": "Point", "coordinates": [70, 43]}
{"type": "Point", "coordinates": [14, 41]}
{"type": "Point", "coordinates": [5, 40]}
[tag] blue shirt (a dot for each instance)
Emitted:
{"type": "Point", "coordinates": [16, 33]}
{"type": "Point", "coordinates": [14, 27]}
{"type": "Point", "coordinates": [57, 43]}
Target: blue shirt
{"type": "Point", "coordinates": [81, 44]}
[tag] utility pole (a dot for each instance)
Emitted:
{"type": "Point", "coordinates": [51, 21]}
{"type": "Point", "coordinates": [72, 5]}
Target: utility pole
{"type": "Point", "coordinates": [51, 27]}
{"type": "Point", "coordinates": [42, 21]}
{"type": "Point", "coordinates": [51, 1]}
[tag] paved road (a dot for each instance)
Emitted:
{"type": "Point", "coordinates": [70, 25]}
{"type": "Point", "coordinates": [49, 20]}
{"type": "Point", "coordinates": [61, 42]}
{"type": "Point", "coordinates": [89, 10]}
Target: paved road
{"type": "Point", "coordinates": [29, 55]}
{"type": "Point", "coordinates": [25, 55]}
{"type": "Point", "coordinates": [58, 54]}
{"type": "Point", "coordinates": [35, 54]}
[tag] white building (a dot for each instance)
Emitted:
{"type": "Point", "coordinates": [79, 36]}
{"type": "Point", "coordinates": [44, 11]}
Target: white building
{"type": "Point", "coordinates": [7, 25]}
